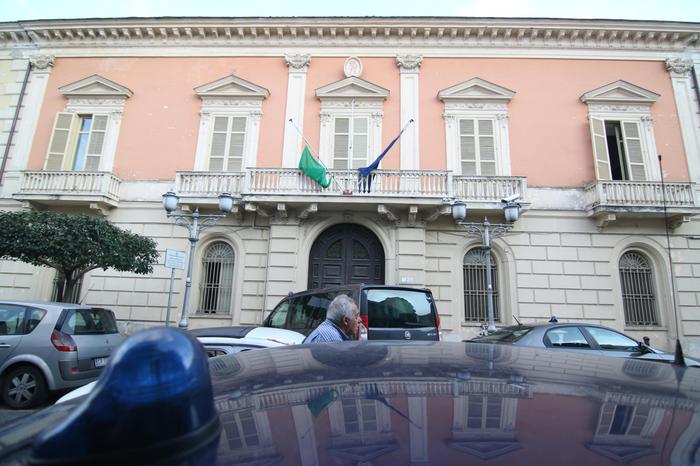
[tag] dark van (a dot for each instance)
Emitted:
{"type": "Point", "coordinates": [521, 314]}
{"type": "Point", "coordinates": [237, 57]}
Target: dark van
{"type": "Point", "coordinates": [388, 312]}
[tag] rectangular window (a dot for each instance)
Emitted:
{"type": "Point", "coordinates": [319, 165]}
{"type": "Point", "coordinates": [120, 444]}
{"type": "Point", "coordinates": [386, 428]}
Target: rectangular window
{"type": "Point", "coordinates": [477, 147]}
{"type": "Point", "coordinates": [227, 143]}
{"type": "Point", "coordinates": [622, 419]}
{"type": "Point", "coordinates": [484, 413]}
{"type": "Point", "coordinates": [77, 142]}
{"type": "Point", "coordinates": [617, 148]}
{"type": "Point", "coordinates": [360, 416]}
{"type": "Point", "coordinates": [350, 143]}
{"type": "Point", "coordinates": [241, 430]}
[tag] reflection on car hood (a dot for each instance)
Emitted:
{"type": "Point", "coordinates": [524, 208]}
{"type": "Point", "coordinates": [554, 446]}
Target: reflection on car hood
{"type": "Point", "coordinates": [450, 403]}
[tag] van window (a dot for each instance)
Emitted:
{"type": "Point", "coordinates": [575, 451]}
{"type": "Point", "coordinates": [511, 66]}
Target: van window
{"type": "Point", "coordinates": [278, 318]}
{"type": "Point", "coordinates": [399, 309]}
{"type": "Point", "coordinates": [309, 311]}
{"type": "Point", "coordinates": [89, 322]}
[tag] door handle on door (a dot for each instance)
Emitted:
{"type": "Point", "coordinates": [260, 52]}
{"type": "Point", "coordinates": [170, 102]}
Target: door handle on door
{"type": "Point", "coordinates": [4, 345]}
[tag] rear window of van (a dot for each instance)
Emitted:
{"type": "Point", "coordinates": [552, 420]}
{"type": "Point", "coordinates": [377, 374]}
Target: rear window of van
{"type": "Point", "coordinates": [399, 309]}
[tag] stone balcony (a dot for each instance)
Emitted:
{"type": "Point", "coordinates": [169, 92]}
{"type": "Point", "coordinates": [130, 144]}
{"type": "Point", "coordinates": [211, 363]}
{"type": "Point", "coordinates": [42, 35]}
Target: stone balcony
{"type": "Point", "coordinates": [608, 201]}
{"type": "Point", "coordinates": [96, 190]}
{"type": "Point", "coordinates": [389, 192]}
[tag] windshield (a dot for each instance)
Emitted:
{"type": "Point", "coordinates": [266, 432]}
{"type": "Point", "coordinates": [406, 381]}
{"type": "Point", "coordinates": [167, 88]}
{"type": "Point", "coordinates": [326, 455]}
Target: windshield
{"type": "Point", "coordinates": [508, 334]}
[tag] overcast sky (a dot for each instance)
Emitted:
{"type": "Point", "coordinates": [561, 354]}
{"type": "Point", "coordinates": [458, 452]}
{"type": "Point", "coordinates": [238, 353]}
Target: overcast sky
{"type": "Point", "coordinates": [673, 10]}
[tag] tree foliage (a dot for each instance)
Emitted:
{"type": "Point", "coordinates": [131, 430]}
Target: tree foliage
{"type": "Point", "coordinates": [73, 244]}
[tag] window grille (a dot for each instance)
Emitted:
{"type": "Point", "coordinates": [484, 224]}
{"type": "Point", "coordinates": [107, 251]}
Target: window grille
{"type": "Point", "coordinates": [360, 416]}
{"type": "Point", "coordinates": [241, 430]}
{"type": "Point", "coordinates": [484, 413]}
{"type": "Point", "coordinates": [217, 279]}
{"type": "Point", "coordinates": [475, 296]}
{"type": "Point", "coordinates": [638, 295]}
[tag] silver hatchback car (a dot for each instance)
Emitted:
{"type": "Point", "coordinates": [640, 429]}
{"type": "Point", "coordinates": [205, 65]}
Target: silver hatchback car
{"type": "Point", "coordinates": [51, 346]}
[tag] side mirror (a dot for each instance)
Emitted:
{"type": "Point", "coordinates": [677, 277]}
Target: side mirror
{"type": "Point", "coordinates": [644, 347]}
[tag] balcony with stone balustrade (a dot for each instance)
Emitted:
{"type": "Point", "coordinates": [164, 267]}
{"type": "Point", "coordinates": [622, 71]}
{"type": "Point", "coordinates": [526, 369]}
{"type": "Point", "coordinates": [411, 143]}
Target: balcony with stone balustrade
{"type": "Point", "coordinates": [609, 201]}
{"type": "Point", "coordinates": [96, 190]}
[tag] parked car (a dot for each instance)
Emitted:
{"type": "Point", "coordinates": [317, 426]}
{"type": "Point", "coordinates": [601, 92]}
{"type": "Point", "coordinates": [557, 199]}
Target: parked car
{"type": "Point", "coordinates": [378, 402]}
{"type": "Point", "coordinates": [584, 338]}
{"type": "Point", "coordinates": [218, 341]}
{"type": "Point", "coordinates": [388, 312]}
{"type": "Point", "coordinates": [51, 346]}
{"type": "Point", "coordinates": [228, 340]}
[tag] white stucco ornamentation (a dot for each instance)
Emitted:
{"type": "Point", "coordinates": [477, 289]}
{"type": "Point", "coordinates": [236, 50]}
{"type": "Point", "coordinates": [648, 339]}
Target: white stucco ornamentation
{"type": "Point", "coordinates": [42, 62]}
{"type": "Point", "coordinates": [352, 67]}
{"type": "Point", "coordinates": [299, 61]}
{"type": "Point", "coordinates": [409, 62]}
{"type": "Point", "coordinates": [679, 66]}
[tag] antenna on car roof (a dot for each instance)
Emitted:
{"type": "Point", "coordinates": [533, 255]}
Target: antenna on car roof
{"type": "Point", "coordinates": [516, 319]}
{"type": "Point", "coordinates": [678, 358]}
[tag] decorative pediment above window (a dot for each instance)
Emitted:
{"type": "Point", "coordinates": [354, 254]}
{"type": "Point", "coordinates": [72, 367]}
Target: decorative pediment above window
{"type": "Point", "coordinates": [620, 93]}
{"type": "Point", "coordinates": [352, 88]}
{"type": "Point", "coordinates": [95, 86]}
{"type": "Point", "coordinates": [232, 86]}
{"type": "Point", "coordinates": [476, 89]}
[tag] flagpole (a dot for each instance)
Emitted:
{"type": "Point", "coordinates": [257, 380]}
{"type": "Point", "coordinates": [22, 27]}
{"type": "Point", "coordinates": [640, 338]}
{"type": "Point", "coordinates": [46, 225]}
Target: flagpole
{"type": "Point", "coordinates": [315, 153]}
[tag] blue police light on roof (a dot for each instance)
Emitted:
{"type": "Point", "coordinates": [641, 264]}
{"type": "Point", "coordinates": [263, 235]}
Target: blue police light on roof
{"type": "Point", "coordinates": [153, 404]}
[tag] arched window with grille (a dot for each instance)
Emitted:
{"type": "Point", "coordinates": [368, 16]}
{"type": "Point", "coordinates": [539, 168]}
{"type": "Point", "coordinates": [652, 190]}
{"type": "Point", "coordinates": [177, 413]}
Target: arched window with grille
{"type": "Point", "coordinates": [216, 282]}
{"type": "Point", "coordinates": [475, 296]}
{"type": "Point", "coordinates": [638, 293]}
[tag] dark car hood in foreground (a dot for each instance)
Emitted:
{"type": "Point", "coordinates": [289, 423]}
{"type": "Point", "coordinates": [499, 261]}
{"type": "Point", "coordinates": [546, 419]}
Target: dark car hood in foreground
{"type": "Point", "coordinates": [445, 403]}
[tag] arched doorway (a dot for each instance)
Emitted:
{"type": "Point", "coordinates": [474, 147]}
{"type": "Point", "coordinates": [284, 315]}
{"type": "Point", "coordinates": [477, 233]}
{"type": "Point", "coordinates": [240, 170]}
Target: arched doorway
{"type": "Point", "coordinates": [346, 253]}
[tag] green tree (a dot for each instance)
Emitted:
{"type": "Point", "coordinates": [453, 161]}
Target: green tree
{"type": "Point", "coordinates": [73, 245]}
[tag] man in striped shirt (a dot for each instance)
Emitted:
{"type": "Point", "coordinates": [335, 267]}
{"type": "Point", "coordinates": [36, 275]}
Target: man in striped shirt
{"type": "Point", "coordinates": [342, 318]}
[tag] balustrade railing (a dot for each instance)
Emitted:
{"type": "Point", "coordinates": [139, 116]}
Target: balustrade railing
{"type": "Point", "coordinates": [381, 183]}
{"type": "Point", "coordinates": [640, 194]}
{"type": "Point", "coordinates": [70, 183]}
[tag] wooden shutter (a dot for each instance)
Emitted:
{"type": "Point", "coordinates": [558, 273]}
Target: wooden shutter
{"type": "Point", "coordinates": [487, 148]}
{"type": "Point", "coordinates": [96, 142]}
{"type": "Point", "coordinates": [633, 150]}
{"type": "Point", "coordinates": [60, 140]}
{"type": "Point", "coordinates": [341, 143]}
{"type": "Point", "coordinates": [360, 141]}
{"type": "Point", "coordinates": [467, 148]}
{"type": "Point", "coordinates": [600, 149]}
{"type": "Point", "coordinates": [217, 148]}
{"type": "Point", "coordinates": [236, 144]}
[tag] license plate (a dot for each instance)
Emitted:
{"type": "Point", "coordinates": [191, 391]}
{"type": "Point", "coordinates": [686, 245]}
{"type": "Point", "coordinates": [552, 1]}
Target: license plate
{"type": "Point", "coordinates": [100, 362]}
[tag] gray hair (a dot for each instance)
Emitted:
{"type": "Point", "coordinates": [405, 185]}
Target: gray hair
{"type": "Point", "coordinates": [340, 307]}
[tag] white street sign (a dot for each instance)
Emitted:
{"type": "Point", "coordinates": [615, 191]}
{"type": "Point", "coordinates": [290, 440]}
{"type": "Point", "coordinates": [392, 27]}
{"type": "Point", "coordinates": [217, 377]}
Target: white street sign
{"type": "Point", "coordinates": [175, 259]}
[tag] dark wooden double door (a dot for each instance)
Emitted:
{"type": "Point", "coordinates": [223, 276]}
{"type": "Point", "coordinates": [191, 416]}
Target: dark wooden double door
{"type": "Point", "coordinates": [346, 253]}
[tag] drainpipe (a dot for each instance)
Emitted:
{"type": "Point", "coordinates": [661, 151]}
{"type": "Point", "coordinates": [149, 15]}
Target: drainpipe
{"type": "Point", "coordinates": [14, 121]}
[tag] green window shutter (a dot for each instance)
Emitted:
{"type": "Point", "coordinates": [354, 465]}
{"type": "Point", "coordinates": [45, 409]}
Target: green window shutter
{"type": "Point", "coordinates": [341, 143]}
{"type": "Point", "coordinates": [60, 141]}
{"type": "Point", "coordinates": [633, 148]}
{"type": "Point", "coordinates": [96, 142]}
{"type": "Point", "coordinates": [600, 149]}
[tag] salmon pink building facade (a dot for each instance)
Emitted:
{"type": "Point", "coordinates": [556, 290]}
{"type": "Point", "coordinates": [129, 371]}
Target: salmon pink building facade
{"type": "Point", "coordinates": [565, 117]}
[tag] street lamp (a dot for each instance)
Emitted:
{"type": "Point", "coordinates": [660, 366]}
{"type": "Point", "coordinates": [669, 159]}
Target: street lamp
{"type": "Point", "coordinates": [195, 223]}
{"type": "Point", "coordinates": [487, 231]}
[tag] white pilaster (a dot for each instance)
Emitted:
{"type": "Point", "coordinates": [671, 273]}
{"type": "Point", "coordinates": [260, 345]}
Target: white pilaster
{"type": "Point", "coordinates": [34, 96]}
{"type": "Point", "coordinates": [418, 430]}
{"type": "Point", "coordinates": [409, 66]}
{"type": "Point", "coordinates": [306, 439]}
{"type": "Point", "coordinates": [679, 70]}
{"type": "Point", "coordinates": [296, 91]}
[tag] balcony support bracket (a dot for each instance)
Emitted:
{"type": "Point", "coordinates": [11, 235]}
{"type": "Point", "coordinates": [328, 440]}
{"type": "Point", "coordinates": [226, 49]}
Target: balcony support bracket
{"type": "Point", "coordinates": [309, 211]}
{"type": "Point", "coordinates": [388, 214]}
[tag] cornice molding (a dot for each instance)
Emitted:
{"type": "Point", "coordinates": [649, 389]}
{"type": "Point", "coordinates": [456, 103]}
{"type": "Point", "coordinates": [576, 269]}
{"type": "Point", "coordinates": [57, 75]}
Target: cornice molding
{"type": "Point", "coordinates": [231, 87]}
{"type": "Point", "coordinates": [620, 92]}
{"type": "Point", "coordinates": [411, 32]}
{"type": "Point", "coordinates": [94, 86]}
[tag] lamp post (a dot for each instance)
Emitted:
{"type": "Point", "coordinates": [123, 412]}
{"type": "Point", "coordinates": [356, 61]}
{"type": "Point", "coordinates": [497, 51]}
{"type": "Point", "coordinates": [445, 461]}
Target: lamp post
{"type": "Point", "coordinates": [487, 231]}
{"type": "Point", "coordinates": [195, 223]}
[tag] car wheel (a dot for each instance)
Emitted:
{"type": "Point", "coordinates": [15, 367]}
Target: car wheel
{"type": "Point", "coordinates": [24, 387]}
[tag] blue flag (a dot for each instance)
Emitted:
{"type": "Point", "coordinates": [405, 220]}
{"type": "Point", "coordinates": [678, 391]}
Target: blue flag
{"type": "Point", "coordinates": [365, 171]}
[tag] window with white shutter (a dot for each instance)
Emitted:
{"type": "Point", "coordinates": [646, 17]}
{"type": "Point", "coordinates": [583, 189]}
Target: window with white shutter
{"type": "Point", "coordinates": [477, 147]}
{"type": "Point", "coordinates": [350, 143]}
{"type": "Point", "coordinates": [227, 144]}
{"type": "Point", "coordinates": [618, 150]}
{"type": "Point", "coordinates": [60, 141]}
{"type": "Point", "coordinates": [77, 142]}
